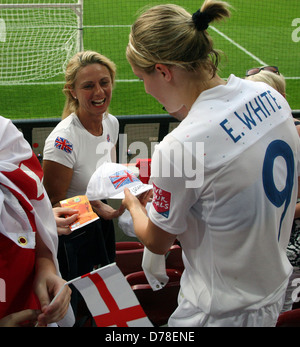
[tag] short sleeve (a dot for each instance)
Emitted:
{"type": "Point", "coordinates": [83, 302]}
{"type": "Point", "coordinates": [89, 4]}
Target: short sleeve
{"type": "Point", "coordinates": [60, 148]}
{"type": "Point", "coordinates": [172, 200]}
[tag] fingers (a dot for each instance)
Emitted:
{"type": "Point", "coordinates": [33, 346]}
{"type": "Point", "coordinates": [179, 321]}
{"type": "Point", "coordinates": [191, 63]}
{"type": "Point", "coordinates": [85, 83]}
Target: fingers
{"type": "Point", "coordinates": [64, 211]}
{"type": "Point", "coordinates": [64, 230]}
{"type": "Point", "coordinates": [65, 222]}
{"type": "Point", "coordinates": [22, 318]}
{"type": "Point", "coordinates": [130, 199]}
{"type": "Point", "coordinates": [57, 309]}
{"type": "Point", "coordinates": [62, 222]}
{"type": "Point", "coordinates": [127, 198]}
{"type": "Point", "coordinates": [146, 197]}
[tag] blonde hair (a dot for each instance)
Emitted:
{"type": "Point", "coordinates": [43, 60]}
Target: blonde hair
{"type": "Point", "coordinates": [276, 81]}
{"type": "Point", "coordinates": [77, 62]}
{"type": "Point", "coordinates": [168, 34]}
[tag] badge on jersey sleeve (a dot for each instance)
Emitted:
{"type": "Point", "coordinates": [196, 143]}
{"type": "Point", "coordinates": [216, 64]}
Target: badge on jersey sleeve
{"type": "Point", "coordinates": [63, 144]}
{"type": "Point", "coordinates": [161, 201]}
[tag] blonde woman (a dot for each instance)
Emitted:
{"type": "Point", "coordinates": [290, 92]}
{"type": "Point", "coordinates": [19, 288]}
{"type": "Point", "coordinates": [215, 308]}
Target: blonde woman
{"type": "Point", "coordinates": [214, 175]}
{"type": "Point", "coordinates": [269, 75]}
{"type": "Point", "coordinates": [85, 138]}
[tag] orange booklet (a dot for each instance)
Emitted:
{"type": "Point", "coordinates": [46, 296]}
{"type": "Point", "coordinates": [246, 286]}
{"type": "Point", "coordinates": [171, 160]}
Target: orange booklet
{"type": "Point", "coordinates": [86, 213]}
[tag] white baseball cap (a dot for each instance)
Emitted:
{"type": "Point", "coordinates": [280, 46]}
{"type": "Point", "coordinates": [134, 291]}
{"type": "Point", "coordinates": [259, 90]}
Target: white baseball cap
{"type": "Point", "coordinates": [109, 181]}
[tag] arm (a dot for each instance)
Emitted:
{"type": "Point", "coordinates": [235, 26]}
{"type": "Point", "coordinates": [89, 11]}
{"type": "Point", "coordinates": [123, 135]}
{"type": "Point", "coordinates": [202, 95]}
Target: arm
{"type": "Point", "coordinates": [25, 318]}
{"type": "Point", "coordinates": [154, 238]}
{"type": "Point", "coordinates": [17, 319]}
{"type": "Point", "coordinates": [47, 284]}
{"type": "Point", "coordinates": [57, 179]}
{"type": "Point", "coordinates": [297, 210]}
{"type": "Point", "coordinates": [105, 211]}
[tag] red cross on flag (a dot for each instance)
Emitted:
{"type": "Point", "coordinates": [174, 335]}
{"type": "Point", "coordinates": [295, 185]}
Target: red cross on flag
{"type": "Point", "coordinates": [110, 298]}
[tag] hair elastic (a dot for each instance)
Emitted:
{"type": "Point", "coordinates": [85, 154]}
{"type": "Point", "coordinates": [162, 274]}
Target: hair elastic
{"type": "Point", "coordinates": [201, 20]}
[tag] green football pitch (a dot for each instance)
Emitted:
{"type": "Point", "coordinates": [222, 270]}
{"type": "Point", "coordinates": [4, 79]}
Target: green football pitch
{"type": "Point", "coordinates": [260, 32]}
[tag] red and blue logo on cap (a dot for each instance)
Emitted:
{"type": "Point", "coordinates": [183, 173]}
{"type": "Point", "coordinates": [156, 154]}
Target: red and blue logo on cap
{"type": "Point", "coordinates": [122, 178]}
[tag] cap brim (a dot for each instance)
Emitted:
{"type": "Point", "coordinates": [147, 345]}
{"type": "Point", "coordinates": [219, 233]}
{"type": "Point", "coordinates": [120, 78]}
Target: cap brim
{"type": "Point", "coordinates": [135, 190]}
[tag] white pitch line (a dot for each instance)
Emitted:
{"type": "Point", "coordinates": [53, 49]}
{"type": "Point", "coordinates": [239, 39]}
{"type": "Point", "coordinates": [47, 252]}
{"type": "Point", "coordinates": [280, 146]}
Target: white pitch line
{"type": "Point", "coordinates": [246, 51]}
{"type": "Point", "coordinates": [137, 80]}
{"type": "Point", "coordinates": [238, 45]}
{"type": "Point", "coordinates": [107, 26]}
{"type": "Point", "coordinates": [59, 82]}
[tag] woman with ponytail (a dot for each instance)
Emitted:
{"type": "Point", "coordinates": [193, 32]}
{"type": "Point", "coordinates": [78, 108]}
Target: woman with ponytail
{"type": "Point", "coordinates": [224, 181]}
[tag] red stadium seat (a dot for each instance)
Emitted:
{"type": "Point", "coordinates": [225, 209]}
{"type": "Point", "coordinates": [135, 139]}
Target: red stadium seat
{"type": "Point", "coordinates": [289, 319]}
{"type": "Point", "coordinates": [129, 256]}
{"type": "Point", "coordinates": [158, 305]}
{"type": "Point", "coordinates": [127, 245]}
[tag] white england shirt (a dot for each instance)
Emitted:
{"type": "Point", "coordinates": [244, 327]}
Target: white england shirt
{"type": "Point", "coordinates": [71, 145]}
{"type": "Point", "coordinates": [234, 219]}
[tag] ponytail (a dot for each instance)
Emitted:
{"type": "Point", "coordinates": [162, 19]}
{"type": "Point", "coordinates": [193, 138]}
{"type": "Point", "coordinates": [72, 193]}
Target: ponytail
{"type": "Point", "coordinates": [169, 35]}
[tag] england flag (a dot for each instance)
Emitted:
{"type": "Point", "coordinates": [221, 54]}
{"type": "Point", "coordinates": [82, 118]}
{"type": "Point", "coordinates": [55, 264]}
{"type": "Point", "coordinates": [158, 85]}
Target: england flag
{"type": "Point", "coordinates": [110, 298]}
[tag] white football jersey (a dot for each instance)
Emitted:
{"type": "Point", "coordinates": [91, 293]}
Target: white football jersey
{"type": "Point", "coordinates": [230, 197]}
{"type": "Point", "coordinates": [71, 145]}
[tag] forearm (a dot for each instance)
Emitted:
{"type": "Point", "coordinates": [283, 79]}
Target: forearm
{"type": "Point", "coordinates": [140, 223]}
{"type": "Point", "coordinates": [297, 210]}
{"type": "Point", "coordinates": [154, 238]}
{"type": "Point", "coordinates": [57, 180]}
{"type": "Point", "coordinates": [105, 211]}
{"type": "Point", "coordinates": [44, 258]}
{"type": "Point", "coordinates": [47, 285]}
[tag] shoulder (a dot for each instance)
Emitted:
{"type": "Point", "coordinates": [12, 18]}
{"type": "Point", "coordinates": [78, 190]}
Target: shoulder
{"type": "Point", "coordinates": [167, 150]}
{"type": "Point", "coordinates": [64, 139]}
{"type": "Point", "coordinates": [110, 119]}
{"type": "Point", "coordinates": [65, 128]}
{"type": "Point", "coordinates": [4, 121]}
{"type": "Point", "coordinates": [112, 127]}
{"type": "Point", "coordinates": [68, 124]}
{"type": "Point", "coordinates": [10, 136]}
{"type": "Point", "coordinates": [7, 128]}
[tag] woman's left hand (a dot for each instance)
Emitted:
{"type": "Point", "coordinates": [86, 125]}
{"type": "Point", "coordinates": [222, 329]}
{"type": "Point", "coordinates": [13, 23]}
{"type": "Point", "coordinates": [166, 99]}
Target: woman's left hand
{"type": "Point", "coordinates": [105, 211]}
{"type": "Point", "coordinates": [46, 288]}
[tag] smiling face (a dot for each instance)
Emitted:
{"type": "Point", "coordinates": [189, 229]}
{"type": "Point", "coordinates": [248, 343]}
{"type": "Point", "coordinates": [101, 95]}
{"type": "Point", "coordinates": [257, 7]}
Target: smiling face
{"type": "Point", "coordinates": [93, 90]}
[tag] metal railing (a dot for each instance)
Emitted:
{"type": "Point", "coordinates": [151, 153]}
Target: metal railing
{"type": "Point", "coordinates": [27, 125]}
{"type": "Point", "coordinates": [164, 121]}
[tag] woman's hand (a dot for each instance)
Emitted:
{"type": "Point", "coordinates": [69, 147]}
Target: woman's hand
{"type": "Point", "coordinates": [64, 217]}
{"type": "Point", "coordinates": [26, 318]}
{"type": "Point", "coordinates": [105, 211]}
{"type": "Point", "coordinates": [46, 288]}
{"type": "Point", "coordinates": [154, 238]}
{"type": "Point", "coordinates": [130, 201]}
{"type": "Point", "coordinates": [47, 284]}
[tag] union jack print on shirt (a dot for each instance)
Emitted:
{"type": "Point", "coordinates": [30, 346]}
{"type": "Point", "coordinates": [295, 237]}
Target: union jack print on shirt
{"type": "Point", "coordinates": [122, 178]}
{"type": "Point", "coordinates": [63, 144]}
